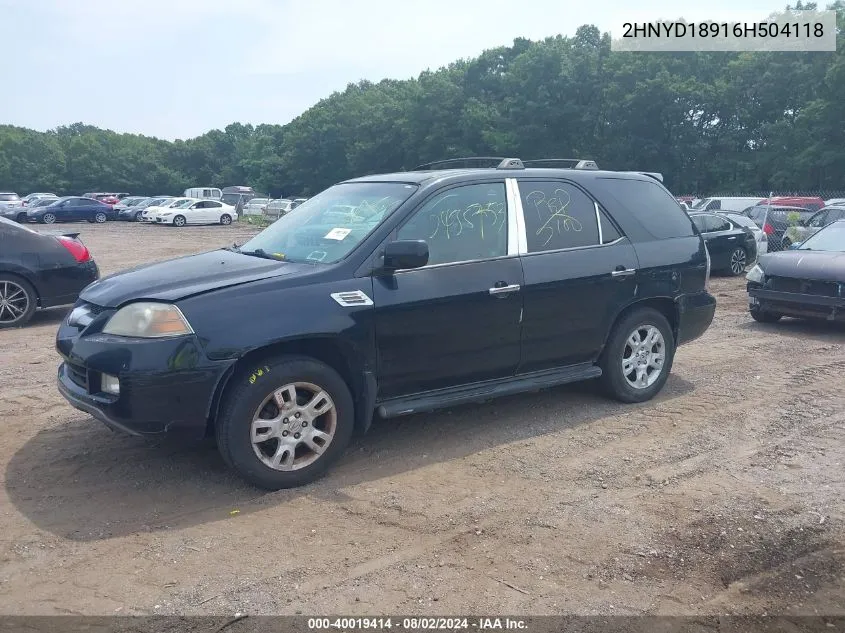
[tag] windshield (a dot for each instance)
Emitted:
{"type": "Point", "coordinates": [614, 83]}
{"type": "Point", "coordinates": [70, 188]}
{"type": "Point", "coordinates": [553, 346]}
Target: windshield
{"type": "Point", "coordinates": [43, 202]}
{"type": "Point", "coordinates": [182, 204]}
{"type": "Point", "coordinates": [328, 226]}
{"type": "Point", "coordinates": [230, 198]}
{"type": "Point", "coordinates": [131, 202]}
{"type": "Point", "coordinates": [830, 238]}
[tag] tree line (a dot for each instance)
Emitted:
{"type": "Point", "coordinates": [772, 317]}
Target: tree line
{"type": "Point", "coordinates": [710, 122]}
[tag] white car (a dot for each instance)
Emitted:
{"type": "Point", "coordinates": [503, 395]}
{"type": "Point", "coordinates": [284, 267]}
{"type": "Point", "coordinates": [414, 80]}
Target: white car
{"type": "Point", "coordinates": [150, 213]}
{"type": "Point", "coordinates": [256, 206]}
{"type": "Point", "coordinates": [197, 212]}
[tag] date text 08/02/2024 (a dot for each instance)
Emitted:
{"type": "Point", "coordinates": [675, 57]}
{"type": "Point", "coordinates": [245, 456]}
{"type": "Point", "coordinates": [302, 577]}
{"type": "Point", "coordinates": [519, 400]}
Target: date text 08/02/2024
{"type": "Point", "coordinates": [417, 624]}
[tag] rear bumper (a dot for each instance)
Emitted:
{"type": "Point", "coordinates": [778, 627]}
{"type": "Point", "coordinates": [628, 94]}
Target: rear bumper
{"type": "Point", "coordinates": [796, 305]}
{"type": "Point", "coordinates": [65, 289]}
{"type": "Point", "coordinates": [695, 314]}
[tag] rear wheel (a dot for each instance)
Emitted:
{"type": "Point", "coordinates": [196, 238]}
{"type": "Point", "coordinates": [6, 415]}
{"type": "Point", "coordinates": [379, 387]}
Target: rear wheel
{"type": "Point", "coordinates": [762, 316]}
{"type": "Point", "coordinates": [739, 260]}
{"type": "Point", "coordinates": [285, 422]}
{"type": "Point", "coordinates": [179, 220]}
{"type": "Point", "coordinates": [48, 218]}
{"type": "Point", "coordinates": [225, 219]}
{"type": "Point", "coordinates": [17, 301]}
{"type": "Point", "coordinates": [100, 217]}
{"type": "Point", "coordinates": [638, 357]}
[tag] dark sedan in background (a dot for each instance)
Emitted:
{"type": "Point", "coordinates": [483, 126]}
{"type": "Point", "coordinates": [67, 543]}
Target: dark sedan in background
{"type": "Point", "coordinates": [776, 222]}
{"type": "Point", "coordinates": [40, 271]}
{"type": "Point", "coordinates": [732, 247]}
{"type": "Point", "coordinates": [807, 281]}
{"type": "Point", "coordinates": [72, 209]}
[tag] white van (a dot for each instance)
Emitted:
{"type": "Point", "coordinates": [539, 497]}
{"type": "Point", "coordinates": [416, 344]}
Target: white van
{"type": "Point", "coordinates": [204, 193]}
{"type": "Point", "coordinates": [734, 205]}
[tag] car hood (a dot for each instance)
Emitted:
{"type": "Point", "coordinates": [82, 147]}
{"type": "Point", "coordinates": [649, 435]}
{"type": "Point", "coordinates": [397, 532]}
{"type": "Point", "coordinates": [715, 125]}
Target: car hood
{"type": "Point", "coordinates": [185, 276]}
{"type": "Point", "coordinates": [802, 264]}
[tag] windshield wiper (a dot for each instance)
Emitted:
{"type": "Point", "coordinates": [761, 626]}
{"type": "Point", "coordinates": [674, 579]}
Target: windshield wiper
{"type": "Point", "coordinates": [260, 252]}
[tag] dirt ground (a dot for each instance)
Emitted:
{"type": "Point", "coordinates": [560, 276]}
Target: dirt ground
{"type": "Point", "coordinates": [723, 495]}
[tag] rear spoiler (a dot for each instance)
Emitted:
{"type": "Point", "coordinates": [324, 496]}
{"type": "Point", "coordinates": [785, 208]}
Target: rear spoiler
{"type": "Point", "coordinates": [652, 174]}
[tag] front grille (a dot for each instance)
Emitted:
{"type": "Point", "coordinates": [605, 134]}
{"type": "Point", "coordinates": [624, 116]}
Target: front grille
{"type": "Point", "coordinates": [803, 286]}
{"type": "Point", "coordinates": [77, 374]}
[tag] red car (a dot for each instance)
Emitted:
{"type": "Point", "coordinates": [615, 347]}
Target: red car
{"type": "Point", "coordinates": [805, 202]}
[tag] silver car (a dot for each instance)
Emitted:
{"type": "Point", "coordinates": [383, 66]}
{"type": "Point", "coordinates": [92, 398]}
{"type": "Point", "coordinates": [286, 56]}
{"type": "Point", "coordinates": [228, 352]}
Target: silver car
{"type": "Point", "coordinates": [816, 222]}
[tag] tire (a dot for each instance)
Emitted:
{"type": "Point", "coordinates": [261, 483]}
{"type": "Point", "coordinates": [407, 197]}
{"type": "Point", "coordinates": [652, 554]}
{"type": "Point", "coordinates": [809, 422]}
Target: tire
{"type": "Point", "coordinates": [137, 216]}
{"type": "Point", "coordinates": [738, 262]}
{"type": "Point", "coordinates": [251, 396]}
{"type": "Point", "coordinates": [764, 317]}
{"type": "Point", "coordinates": [21, 219]}
{"type": "Point", "coordinates": [100, 217]}
{"type": "Point", "coordinates": [48, 218]}
{"type": "Point", "coordinates": [225, 219]}
{"type": "Point", "coordinates": [616, 384]}
{"type": "Point", "coordinates": [18, 301]}
{"type": "Point", "coordinates": [785, 243]}
{"type": "Point", "coordinates": [179, 221]}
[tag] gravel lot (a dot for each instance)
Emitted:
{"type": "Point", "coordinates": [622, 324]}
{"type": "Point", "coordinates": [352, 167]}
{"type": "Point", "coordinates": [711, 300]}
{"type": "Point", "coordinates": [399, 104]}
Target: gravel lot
{"type": "Point", "coordinates": [723, 495]}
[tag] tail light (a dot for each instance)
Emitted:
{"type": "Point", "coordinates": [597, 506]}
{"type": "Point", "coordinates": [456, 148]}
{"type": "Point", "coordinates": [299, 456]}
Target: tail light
{"type": "Point", "coordinates": [707, 271]}
{"type": "Point", "coordinates": [76, 248]}
{"type": "Point", "coordinates": [768, 229]}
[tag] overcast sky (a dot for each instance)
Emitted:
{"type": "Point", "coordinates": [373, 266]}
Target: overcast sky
{"type": "Point", "coordinates": [178, 68]}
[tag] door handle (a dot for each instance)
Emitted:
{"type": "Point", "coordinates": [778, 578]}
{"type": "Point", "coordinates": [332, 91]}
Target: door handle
{"type": "Point", "coordinates": [623, 272]}
{"type": "Point", "coordinates": [504, 290]}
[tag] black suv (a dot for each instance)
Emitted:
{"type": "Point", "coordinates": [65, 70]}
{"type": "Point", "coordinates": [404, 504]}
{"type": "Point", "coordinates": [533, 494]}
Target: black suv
{"type": "Point", "coordinates": [395, 294]}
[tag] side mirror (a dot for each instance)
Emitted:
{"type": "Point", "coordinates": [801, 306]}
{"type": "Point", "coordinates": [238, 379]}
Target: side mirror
{"type": "Point", "coordinates": [404, 254]}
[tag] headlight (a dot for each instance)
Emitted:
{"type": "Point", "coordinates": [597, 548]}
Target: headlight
{"type": "Point", "coordinates": [148, 320]}
{"type": "Point", "coordinates": [756, 274]}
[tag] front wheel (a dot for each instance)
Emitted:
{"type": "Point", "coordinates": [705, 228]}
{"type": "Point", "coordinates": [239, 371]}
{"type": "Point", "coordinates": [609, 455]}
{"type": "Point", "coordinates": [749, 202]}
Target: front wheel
{"type": "Point", "coordinates": [179, 221]}
{"type": "Point", "coordinates": [225, 219]}
{"type": "Point", "coordinates": [285, 421]}
{"type": "Point", "coordinates": [764, 317]}
{"type": "Point", "coordinates": [638, 357]}
{"type": "Point", "coordinates": [100, 217]}
{"type": "Point", "coordinates": [739, 260]}
{"type": "Point", "coordinates": [138, 216]}
{"type": "Point", "coordinates": [49, 218]}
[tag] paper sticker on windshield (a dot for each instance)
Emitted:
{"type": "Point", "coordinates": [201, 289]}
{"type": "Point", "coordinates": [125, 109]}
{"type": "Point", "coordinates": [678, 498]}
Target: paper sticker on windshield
{"type": "Point", "coordinates": [337, 234]}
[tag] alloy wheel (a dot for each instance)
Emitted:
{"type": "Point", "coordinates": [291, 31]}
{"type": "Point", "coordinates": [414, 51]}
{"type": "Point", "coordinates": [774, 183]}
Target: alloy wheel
{"type": "Point", "coordinates": [294, 426]}
{"type": "Point", "coordinates": [738, 261]}
{"type": "Point", "coordinates": [14, 302]}
{"type": "Point", "coordinates": [49, 218]}
{"type": "Point", "coordinates": [643, 357]}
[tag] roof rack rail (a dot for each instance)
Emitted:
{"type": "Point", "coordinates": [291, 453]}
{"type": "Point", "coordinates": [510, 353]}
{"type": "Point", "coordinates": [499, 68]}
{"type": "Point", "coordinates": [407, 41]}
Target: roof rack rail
{"type": "Point", "coordinates": [562, 163]}
{"type": "Point", "coordinates": [464, 163]}
{"type": "Point", "coordinates": [501, 162]}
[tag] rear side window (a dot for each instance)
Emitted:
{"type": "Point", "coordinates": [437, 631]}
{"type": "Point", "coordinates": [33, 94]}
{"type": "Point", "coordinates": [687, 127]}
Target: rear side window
{"type": "Point", "coordinates": [557, 215]}
{"type": "Point", "coordinates": [656, 210]}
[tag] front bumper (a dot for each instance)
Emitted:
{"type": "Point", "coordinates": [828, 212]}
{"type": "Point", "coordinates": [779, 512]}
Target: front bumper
{"type": "Point", "coordinates": [695, 314]}
{"type": "Point", "coordinates": [167, 386]}
{"type": "Point", "coordinates": [796, 304]}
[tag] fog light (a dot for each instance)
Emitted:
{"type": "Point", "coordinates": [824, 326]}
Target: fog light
{"type": "Point", "coordinates": [110, 384]}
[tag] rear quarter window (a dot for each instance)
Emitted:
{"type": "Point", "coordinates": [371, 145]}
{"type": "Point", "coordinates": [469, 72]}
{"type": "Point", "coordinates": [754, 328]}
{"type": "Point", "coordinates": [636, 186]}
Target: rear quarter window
{"type": "Point", "coordinates": [653, 207]}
